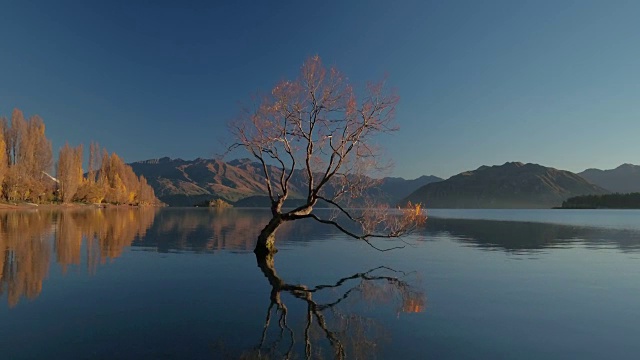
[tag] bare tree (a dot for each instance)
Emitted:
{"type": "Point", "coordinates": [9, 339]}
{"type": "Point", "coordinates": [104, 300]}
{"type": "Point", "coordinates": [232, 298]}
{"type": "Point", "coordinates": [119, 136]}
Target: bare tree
{"type": "Point", "coordinates": [317, 125]}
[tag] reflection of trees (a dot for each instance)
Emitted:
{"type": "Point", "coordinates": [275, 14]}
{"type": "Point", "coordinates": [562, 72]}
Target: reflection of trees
{"type": "Point", "coordinates": [329, 329]}
{"type": "Point", "coordinates": [108, 231]}
{"type": "Point", "coordinates": [24, 253]}
{"type": "Point", "coordinates": [25, 243]}
{"type": "Point", "coordinates": [68, 241]}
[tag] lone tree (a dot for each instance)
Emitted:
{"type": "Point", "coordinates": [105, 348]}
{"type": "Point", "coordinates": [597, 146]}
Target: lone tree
{"type": "Point", "coordinates": [317, 129]}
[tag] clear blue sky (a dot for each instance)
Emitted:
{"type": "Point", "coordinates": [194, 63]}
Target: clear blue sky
{"type": "Point", "coordinates": [481, 82]}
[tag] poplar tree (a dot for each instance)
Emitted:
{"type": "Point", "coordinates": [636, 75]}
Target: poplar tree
{"type": "Point", "coordinates": [69, 171]}
{"type": "Point", "coordinates": [26, 160]}
{"type": "Point", "coordinates": [4, 164]}
{"type": "Point", "coordinates": [18, 126]}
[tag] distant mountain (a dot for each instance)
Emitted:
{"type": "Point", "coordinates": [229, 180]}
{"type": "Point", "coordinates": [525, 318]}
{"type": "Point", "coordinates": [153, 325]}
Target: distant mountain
{"type": "Point", "coordinates": [512, 185]}
{"type": "Point", "coordinates": [187, 182]}
{"type": "Point", "coordinates": [623, 179]}
{"type": "Point", "coordinates": [180, 182]}
{"type": "Point", "coordinates": [396, 188]}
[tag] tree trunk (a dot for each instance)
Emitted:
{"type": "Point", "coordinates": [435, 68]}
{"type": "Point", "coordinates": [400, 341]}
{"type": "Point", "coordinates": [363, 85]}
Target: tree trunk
{"type": "Point", "coordinates": [267, 239]}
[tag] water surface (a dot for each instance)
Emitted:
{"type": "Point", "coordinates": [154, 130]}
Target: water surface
{"type": "Point", "coordinates": [183, 283]}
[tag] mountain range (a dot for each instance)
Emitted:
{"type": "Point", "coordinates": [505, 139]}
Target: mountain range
{"type": "Point", "coordinates": [623, 179]}
{"type": "Point", "coordinates": [511, 185]}
{"type": "Point", "coordinates": [180, 182]}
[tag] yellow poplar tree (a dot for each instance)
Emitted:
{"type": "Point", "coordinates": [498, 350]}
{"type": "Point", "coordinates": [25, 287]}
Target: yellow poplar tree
{"type": "Point", "coordinates": [4, 162]}
{"type": "Point", "coordinates": [69, 171]}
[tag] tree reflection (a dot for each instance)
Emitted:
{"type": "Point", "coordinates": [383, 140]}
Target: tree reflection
{"type": "Point", "coordinates": [24, 254]}
{"type": "Point", "coordinates": [334, 325]}
{"type": "Point", "coordinates": [110, 231]}
{"type": "Point", "coordinates": [26, 239]}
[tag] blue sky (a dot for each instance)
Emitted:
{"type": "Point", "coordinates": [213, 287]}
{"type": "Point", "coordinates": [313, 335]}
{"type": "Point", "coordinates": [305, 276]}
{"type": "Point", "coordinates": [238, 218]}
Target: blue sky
{"type": "Point", "coordinates": [480, 82]}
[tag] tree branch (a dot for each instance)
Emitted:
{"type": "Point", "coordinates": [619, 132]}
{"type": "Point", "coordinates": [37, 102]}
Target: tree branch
{"type": "Point", "coordinates": [364, 237]}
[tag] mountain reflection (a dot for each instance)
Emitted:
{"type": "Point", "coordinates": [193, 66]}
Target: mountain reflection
{"type": "Point", "coordinates": [27, 239]}
{"type": "Point", "coordinates": [329, 320]}
{"type": "Point", "coordinates": [204, 230]}
{"type": "Point", "coordinates": [91, 237]}
{"type": "Point", "coordinates": [516, 236]}
{"type": "Point", "coordinates": [211, 230]}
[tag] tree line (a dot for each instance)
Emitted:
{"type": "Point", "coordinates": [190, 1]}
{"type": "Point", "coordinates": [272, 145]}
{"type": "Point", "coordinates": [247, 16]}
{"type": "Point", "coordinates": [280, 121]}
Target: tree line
{"type": "Point", "coordinates": [608, 201]}
{"type": "Point", "coordinates": [26, 161]}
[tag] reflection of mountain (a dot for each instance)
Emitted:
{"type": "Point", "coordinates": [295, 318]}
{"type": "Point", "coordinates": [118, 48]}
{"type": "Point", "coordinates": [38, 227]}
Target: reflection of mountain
{"type": "Point", "coordinates": [210, 229]}
{"type": "Point", "coordinates": [204, 230]}
{"type": "Point", "coordinates": [527, 236]}
{"type": "Point", "coordinates": [85, 238]}
{"type": "Point", "coordinates": [90, 237]}
{"type": "Point", "coordinates": [26, 243]}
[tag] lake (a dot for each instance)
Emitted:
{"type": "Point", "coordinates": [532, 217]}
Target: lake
{"type": "Point", "coordinates": [184, 283]}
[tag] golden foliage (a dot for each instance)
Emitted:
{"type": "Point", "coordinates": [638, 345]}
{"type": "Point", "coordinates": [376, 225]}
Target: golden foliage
{"type": "Point", "coordinates": [25, 164]}
{"type": "Point", "coordinates": [4, 161]}
{"type": "Point", "coordinates": [69, 172]}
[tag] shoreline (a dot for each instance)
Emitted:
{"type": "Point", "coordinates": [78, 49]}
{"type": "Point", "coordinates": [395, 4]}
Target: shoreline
{"type": "Point", "coordinates": [24, 206]}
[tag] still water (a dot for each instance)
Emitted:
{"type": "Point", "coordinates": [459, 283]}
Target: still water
{"type": "Point", "coordinates": [184, 283]}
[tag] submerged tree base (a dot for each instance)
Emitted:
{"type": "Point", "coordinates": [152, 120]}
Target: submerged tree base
{"type": "Point", "coordinates": [265, 247]}
{"type": "Point", "coordinates": [267, 239]}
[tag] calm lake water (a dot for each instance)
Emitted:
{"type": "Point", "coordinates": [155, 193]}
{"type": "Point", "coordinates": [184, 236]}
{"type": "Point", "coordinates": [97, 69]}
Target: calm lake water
{"type": "Point", "coordinates": [184, 283]}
